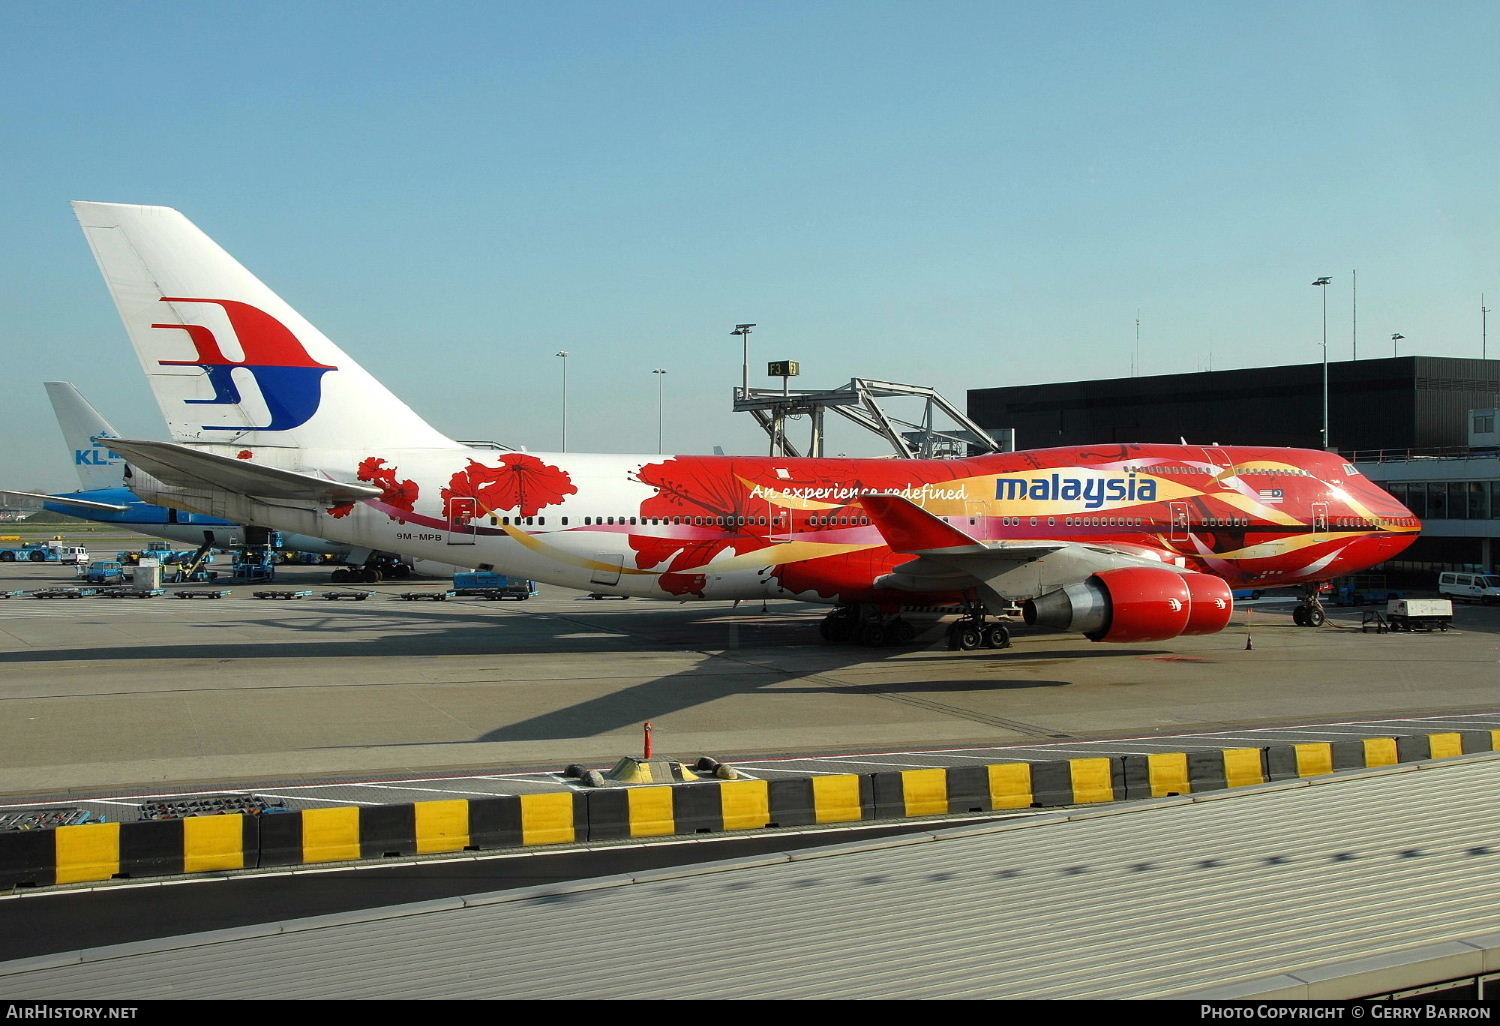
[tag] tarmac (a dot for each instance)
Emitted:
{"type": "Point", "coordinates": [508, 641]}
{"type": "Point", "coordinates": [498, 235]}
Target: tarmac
{"type": "Point", "coordinates": [144, 695]}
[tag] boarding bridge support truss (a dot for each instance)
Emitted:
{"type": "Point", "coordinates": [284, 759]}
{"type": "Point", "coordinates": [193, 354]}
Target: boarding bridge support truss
{"type": "Point", "coordinates": [860, 403]}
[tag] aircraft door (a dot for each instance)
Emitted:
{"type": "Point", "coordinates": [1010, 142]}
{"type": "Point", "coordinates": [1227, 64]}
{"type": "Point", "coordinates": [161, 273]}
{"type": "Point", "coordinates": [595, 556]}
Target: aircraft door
{"type": "Point", "coordinates": [1181, 524]}
{"type": "Point", "coordinates": [1320, 518]}
{"type": "Point", "coordinates": [1220, 459]}
{"type": "Point", "coordinates": [778, 523]}
{"type": "Point", "coordinates": [461, 512]}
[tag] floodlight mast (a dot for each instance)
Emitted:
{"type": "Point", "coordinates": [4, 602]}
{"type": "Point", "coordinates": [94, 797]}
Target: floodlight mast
{"type": "Point", "coordinates": [1323, 283]}
{"type": "Point", "coordinates": [743, 330]}
{"type": "Point", "coordinates": [563, 354]}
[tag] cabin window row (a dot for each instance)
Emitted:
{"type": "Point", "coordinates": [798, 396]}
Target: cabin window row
{"type": "Point", "coordinates": [1369, 522]}
{"type": "Point", "coordinates": [1105, 521]}
{"type": "Point", "coordinates": [1238, 471]}
{"type": "Point", "coordinates": [734, 521]}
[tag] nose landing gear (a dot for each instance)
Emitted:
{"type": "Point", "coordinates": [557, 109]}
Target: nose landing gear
{"type": "Point", "coordinates": [1309, 612]}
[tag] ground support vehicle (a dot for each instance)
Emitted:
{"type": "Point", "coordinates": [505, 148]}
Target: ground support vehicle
{"type": "Point", "coordinates": [53, 551]}
{"type": "Point", "coordinates": [103, 571]}
{"type": "Point", "coordinates": [357, 596]}
{"type": "Point", "coordinates": [257, 564]}
{"type": "Point", "coordinates": [163, 553]}
{"type": "Point", "coordinates": [1470, 587]}
{"type": "Point", "coordinates": [282, 594]}
{"type": "Point", "coordinates": [131, 592]}
{"type": "Point", "coordinates": [430, 596]}
{"type": "Point", "coordinates": [488, 585]}
{"type": "Point", "coordinates": [1411, 615]}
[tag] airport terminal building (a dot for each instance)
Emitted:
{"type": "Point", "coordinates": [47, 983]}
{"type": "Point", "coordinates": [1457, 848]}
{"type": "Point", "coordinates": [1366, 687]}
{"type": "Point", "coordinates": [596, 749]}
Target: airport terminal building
{"type": "Point", "coordinates": [1423, 426]}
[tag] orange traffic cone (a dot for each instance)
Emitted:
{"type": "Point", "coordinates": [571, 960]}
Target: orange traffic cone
{"type": "Point", "coordinates": [1248, 646]}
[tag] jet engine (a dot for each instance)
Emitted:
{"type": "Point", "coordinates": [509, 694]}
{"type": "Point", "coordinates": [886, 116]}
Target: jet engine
{"type": "Point", "coordinates": [1135, 604]}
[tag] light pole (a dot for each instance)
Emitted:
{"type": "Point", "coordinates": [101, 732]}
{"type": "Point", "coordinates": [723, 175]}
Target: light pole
{"type": "Point", "coordinates": [1323, 283]}
{"type": "Point", "coordinates": [743, 330]}
{"type": "Point", "coordinates": [1394, 340]}
{"type": "Point", "coordinates": [564, 354]}
{"type": "Point", "coordinates": [660, 374]}
{"type": "Point", "coordinates": [1483, 326]}
{"type": "Point", "coordinates": [1354, 318]}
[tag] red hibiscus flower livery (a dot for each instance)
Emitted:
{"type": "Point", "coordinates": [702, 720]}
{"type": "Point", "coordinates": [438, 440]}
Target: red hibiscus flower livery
{"type": "Point", "coordinates": [393, 492]}
{"type": "Point", "coordinates": [688, 487]}
{"type": "Point", "coordinates": [521, 482]}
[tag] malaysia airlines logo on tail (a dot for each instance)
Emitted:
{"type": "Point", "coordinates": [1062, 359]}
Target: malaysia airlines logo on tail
{"type": "Point", "coordinates": [290, 381]}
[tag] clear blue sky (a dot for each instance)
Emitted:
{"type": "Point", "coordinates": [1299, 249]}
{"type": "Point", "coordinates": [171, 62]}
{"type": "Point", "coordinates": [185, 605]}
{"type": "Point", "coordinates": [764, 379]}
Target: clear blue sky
{"type": "Point", "coordinates": [951, 194]}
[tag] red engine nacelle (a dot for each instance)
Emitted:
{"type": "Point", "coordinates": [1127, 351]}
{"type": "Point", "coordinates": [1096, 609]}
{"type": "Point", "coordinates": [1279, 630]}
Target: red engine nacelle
{"type": "Point", "coordinates": [1136, 604]}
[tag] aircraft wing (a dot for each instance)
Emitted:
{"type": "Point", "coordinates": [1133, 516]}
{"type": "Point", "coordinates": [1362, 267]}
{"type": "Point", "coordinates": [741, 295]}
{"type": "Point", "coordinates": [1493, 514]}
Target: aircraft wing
{"type": "Point", "coordinates": [63, 500]}
{"type": "Point", "coordinates": [184, 466]}
{"type": "Point", "coordinates": [1002, 572]}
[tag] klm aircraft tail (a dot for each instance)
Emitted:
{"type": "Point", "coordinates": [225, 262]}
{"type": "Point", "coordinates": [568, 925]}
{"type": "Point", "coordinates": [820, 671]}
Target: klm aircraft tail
{"type": "Point", "coordinates": [96, 464]}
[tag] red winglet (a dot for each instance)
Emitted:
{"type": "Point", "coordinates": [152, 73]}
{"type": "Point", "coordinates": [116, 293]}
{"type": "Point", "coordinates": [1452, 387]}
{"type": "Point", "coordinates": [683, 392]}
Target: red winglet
{"type": "Point", "coordinates": [908, 527]}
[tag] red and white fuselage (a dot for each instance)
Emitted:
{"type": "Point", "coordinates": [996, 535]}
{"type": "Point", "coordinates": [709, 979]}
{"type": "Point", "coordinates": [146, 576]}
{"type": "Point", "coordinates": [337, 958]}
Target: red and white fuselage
{"type": "Point", "coordinates": [274, 425]}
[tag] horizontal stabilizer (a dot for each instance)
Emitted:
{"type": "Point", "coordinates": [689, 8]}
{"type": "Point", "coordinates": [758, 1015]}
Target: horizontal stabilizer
{"type": "Point", "coordinates": [908, 527]}
{"type": "Point", "coordinates": [184, 466]}
{"type": "Point", "coordinates": [64, 500]}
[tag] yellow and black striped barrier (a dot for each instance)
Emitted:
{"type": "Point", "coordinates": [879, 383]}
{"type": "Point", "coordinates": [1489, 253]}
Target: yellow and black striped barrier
{"type": "Point", "coordinates": [387, 831]}
{"type": "Point", "coordinates": [199, 844]}
{"type": "Point", "coordinates": [719, 806]}
{"type": "Point", "coordinates": [104, 851]}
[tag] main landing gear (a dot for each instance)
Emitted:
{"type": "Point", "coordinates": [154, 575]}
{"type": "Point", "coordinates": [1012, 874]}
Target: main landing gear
{"type": "Point", "coordinates": [974, 631]}
{"type": "Point", "coordinates": [865, 625]}
{"type": "Point", "coordinates": [1309, 612]}
{"type": "Point", "coordinates": [377, 568]}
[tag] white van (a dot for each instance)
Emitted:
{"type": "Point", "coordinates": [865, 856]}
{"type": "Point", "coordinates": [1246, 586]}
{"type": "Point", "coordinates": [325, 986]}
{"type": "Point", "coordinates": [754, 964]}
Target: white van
{"type": "Point", "coordinates": [1470, 587]}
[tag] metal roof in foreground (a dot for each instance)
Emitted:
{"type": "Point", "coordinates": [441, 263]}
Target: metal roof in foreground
{"type": "Point", "coordinates": [1358, 882]}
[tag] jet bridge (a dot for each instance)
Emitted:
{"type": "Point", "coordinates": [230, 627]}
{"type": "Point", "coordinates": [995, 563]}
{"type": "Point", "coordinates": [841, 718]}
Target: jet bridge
{"type": "Point", "coordinates": [860, 402]}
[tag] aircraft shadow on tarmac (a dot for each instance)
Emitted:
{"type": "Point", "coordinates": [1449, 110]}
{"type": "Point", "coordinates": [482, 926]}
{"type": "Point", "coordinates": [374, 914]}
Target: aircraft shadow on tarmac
{"type": "Point", "coordinates": [745, 651]}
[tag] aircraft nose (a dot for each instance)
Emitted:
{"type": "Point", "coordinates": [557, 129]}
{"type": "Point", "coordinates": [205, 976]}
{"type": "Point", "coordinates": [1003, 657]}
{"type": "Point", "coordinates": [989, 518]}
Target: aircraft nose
{"type": "Point", "coordinates": [1377, 548]}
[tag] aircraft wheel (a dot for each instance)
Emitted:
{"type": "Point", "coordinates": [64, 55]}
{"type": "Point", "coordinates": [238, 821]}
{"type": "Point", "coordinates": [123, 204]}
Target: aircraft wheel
{"type": "Point", "coordinates": [1299, 616]}
{"type": "Point", "coordinates": [837, 629]}
{"type": "Point", "coordinates": [996, 635]}
{"type": "Point", "coordinates": [968, 636]}
{"type": "Point", "coordinates": [872, 634]}
{"type": "Point", "coordinates": [1315, 616]}
{"type": "Point", "coordinates": [339, 576]}
{"type": "Point", "coordinates": [899, 632]}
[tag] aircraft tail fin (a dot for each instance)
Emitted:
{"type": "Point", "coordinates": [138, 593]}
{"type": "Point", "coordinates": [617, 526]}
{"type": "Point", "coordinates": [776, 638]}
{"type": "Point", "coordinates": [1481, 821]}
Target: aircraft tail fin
{"type": "Point", "coordinates": [230, 361]}
{"type": "Point", "coordinates": [97, 465]}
